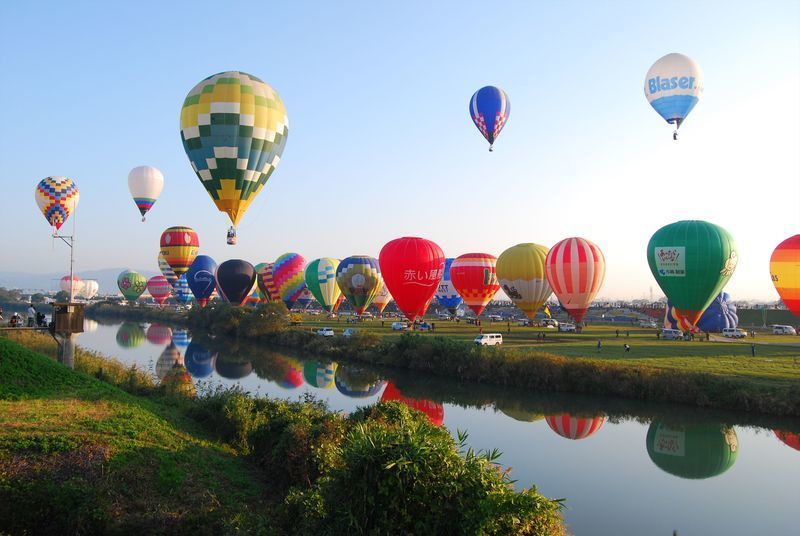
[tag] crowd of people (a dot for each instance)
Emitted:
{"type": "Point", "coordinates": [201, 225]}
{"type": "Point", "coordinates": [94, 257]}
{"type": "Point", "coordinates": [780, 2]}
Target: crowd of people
{"type": "Point", "coordinates": [32, 318]}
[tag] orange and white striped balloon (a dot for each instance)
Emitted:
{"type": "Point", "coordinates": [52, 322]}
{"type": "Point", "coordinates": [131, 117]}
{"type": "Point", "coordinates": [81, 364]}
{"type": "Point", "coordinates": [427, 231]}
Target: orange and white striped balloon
{"type": "Point", "coordinates": [575, 427]}
{"type": "Point", "coordinates": [575, 269]}
{"type": "Point", "coordinates": [474, 277]}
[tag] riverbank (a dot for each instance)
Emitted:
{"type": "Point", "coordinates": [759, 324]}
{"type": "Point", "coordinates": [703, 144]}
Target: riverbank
{"type": "Point", "coordinates": [78, 454]}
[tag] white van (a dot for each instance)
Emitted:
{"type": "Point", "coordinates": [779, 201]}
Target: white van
{"type": "Point", "coordinates": [399, 326]}
{"type": "Point", "coordinates": [735, 333]}
{"type": "Point", "coordinates": [671, 334]}
{"type": "Point", "coordinates": [783, 330]}
{"type": "Point", "coordinates": [489, 339]}
{"type": "Point", "coordinates": [325, 332]}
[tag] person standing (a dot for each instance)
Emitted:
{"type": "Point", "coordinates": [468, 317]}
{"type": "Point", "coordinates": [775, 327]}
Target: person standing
{"type": "Point", "coordinates": [599, 345]}
{"type": "Point", "coordinates": [31, 316]}
{"type": "Point", "coordinates": [627, 347]}
{"type": "Point", "coordinates": [753, 349]}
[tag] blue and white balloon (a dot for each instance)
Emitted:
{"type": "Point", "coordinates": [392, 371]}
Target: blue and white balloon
{"type": "Point", "coordinates": [446, 294]}
{"type": "Point", "coordinates": [490, 108]}
{"type": "Point", "coordinates": [673, 86]}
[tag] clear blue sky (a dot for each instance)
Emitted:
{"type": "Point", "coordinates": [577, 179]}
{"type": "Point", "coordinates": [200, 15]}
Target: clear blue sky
{"type": "Point", "coordinates": [381, 144]}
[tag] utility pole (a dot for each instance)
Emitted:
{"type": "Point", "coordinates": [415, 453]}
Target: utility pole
{"type": "Point", "coordinates": [67, 317]}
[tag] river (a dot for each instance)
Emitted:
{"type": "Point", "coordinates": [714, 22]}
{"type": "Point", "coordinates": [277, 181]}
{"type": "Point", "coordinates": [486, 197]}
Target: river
{"type": "Point", "coordinates": [624, 467]}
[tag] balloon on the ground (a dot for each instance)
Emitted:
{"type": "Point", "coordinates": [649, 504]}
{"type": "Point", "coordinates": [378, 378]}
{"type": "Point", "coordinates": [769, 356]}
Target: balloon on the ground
{"type": "Point", "coordinates": [320, 277]}
{"type": "Point", "coordinates": [784, 267]}
{"type": "Point", "coordinates": [166, 271]}
{"type": "Point", "coordinates": [412, 269]}
{"type": "Point", "coordinates": [233, 129]}
{"type": "Point", "coordinates": [338, 303]}
{"type": "Point", "coordinates": [169, 358]}
{"type": "Point", "coordinates": [201, 278]}
{"type": "Point", "coordinates": [522, 275]}
{"type": "Point", "coordinates": [267, 282]}
{"type": "Point", "coordinates": [130, 335]}
{"type": "Point", "coordinates": [263, 295]}
{"type": "Point", "coordinates": [319, 375]}
{"type": "Point", "coordinates": [288, 273]}
{"type": "Point", "coordinates": [77, 285]}
{"type": "Point", "coordinates": [475, 279]}
{"type": "Point", "coordinates": [145, 184]}
{"type": "Point", "coordinates": [446, 294]}
{"type": "Point", "coordinates": [159, 288]}
{"type": "Point", "coordinates": [181, 291]}
{"type": "Point", "coordinates": [179, 246]}
{"type": "Point", "coordinates": [432, 410]}
{"type": "Point", "coordinates": [692, 261]}
{"type": "Point", "coordinates": [57, 198]}
{"type": "Point", "coordinates": [721, 314]}
{"type": "Point", "coordinates": [254, 297]}
{"type": "Point", "coordinates": [694, 451]}
{"type": "Point", "coordinates": [131, 284]}
{"type": "Point", "coordinates": [235, 280]}
{"type": "Point", "coordinates": [359, 278]}
{"type": "Point", "coordinates": [489, 108]}
{"type": "Point", "coordinates": [159, 334]}
{"type": "Point", "coordinates": [575, 270]}
{"type": "Point", "coordinates": [571, 427]}
{"type": "Point", "coordinates": [673, 86]}
{"type": "Point", "coordinates": [382, 299]}
{"type": "Point", "coordinates": [788, 438]}
{"type": "Point", "coordinates": [199, 361]}
{"type": "Point", "coordinates": [90, 288]}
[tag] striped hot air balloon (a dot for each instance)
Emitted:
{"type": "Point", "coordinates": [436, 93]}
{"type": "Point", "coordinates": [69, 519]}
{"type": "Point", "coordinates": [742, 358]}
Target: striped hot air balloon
{"type": "Point", "coordinates": [521, 272]}
{"type": "Point", "coordinates": [288, 273]}
{"type": "Point", "coordinates": [784, 267]}
{"type": "Point", "coordinates": [263, 296]}
{"type": "Point", "coordinates": [575, 427]}
{"type": "Point", "coordinates": [321, 281]}
{"type": "Point", "coordinates": [159, 334]}
{"type": "Point", "coordinates": [267, 279]}
{"type": "Point", "coordinates": [166, 271]}
{"type": "Point", "coordinates": [145, 184]}
{"type": "Point", "coordinates": [179, 246]}
{"type": "Point", "coordinates": [159, 288]}
{"type": "Point", "coordinates": [56, 197]}
{"type": "Point", "coordinates": [181, 291]}
{"type": "Point", "coordinates": [575, 271]}
{"type": "Point", "coordinates": [474, 277]}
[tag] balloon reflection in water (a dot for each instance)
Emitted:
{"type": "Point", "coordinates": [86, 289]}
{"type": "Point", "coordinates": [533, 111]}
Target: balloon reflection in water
{"type": "Point", "coordinates": [159, 334]}
{"type": "Point", "coordinates": [168, 359]}
{"type": "Point", "coordinates": [181, 339]}
{"type": "Point", "coordinates": [575, 427]}
{"type": "Point", "coordinates": [233, 370]}
{"type": "Point", "coordinates": [294, 374]}
{"type": "Point", "coordinates": [432, 410]}
{"type": "Point", "coordinates": [319, 375]}
{"type": "Point", "coordinates": [130, 335]}
{"type": "Point", "coordinates": [199, 361]}
{"type": "Point", "coordinates": [694, 451]}
{"type": "Point", "coordinates": [89, 325]}
{"type": "Point", "coordinates": [790, 439]}
{"type": "Point", "coordinates": [356, 382]}
{"type": "Point", "coordinates": [516, 412]}
{"type": "Point", "coordinates": [177, 381]}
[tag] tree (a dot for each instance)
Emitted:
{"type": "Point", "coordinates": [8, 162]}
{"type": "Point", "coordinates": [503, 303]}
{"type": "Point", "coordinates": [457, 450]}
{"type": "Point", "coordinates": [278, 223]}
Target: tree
{"type": "Point", "coordinates": [62, 296]}
{"type": "Point", "coordinates": [37, 298]}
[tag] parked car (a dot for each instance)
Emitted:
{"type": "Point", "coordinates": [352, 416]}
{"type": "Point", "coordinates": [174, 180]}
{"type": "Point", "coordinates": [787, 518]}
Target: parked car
{"type": "Point", "coordinates": [366, 315]}
{"type": "Point", "coordinates": [671, 334]}
{"type": "Point", "coordinates": [495, 318]}
{"type": "Point", "coordinates": [735, 333]}
{"type": "Point", "coordinates": [399, 326]}
{"type": "Point", "coordinates": [443, 316]}
{"type": "Point", "coordinates": [489, 339]}
{"type": "Point", "coordinates": [524, 322]}
{"type": "Point", "coordinates": [783, 330]}
{"type": "Point", "coordinates": [349, 332]}
{"type": "Point", "coordinates": [424, 326]}
{"type": "Point", "coordinates": [567, 327]}
{"type": "Point", "coordinates": [647, 324]}
{"type": "Point", "coordinates": [325, 332]}
{"type": "Point", "coordinates": [549, 323]}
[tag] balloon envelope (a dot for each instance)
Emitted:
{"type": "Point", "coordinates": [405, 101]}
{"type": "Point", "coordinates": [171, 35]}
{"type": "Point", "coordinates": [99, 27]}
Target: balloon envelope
{"type": "Point", "coordinates": [475, 279]}
{"type": "Point", "coordinates": [77, 284]}
{"type": "Point", "coordinates": [432, 410]}
{"type": "Point", "coordinates": [179, 246]}
{"type": "Point", "coordinates": [720, 314]}
{"type": "Point", "coordinates": [575, 270]}
{"type": "Point", "coordinates": [201, 278]}
{"type": "Point", "coordinates": [199, 361]}
{"type": "Point", "coordinates": [320, 279]}
{"type": "Point", "coordinates": [784, 267]}
{"type": "Point", "coordinates": [90, 288]}
{"type": "Point", "coordinates": [145, 184]}
{"type": "Point", "coordinates": [319, 375]}
{"type": "Point", "coordinates": [181, 290]}
{"type": "Point", "coordinates": [359, 278]}
{"type": "Point", "coordinates": [130, 335]}
{"type": "Point", "coordinates": [695, 451]}
{"type": "Point", "coordinates": [575, 427]}
{"type": "Point", "coordinates": [159, 288]}
{"type": "Point", "coordinates": [235, 280]}
{"type": "Point", "coordinates": [521, 272]}
{"type": "Point", "coordinates": [691, 262]}
{"type": "Point", "coordinates": [268, 283]}
{"type": "Point", "coordinates": [446, 294]}
{"type": "Point", "coordinates": [788, 438]}
{"type": "Point", "coordinates": [673, 86]}
{"type": "Point", "coordinates": [56, 197]}
{"type": "Point", "coordinates": [131, 284]}
{"type": "Point", "coordinates": [288, 273]}
{"type": "Point", "coordinates": [159, 334]}
{"type": "Point", "coordinates": [382, 299]}
{"type": "Point", "coordinates": [263, 295]}
{"type": "Point", "coordinates": [489, 108]}
{"type": "Point", "coordinates": [166, 271]}
{"type": "Point", "coordinates": [412, 269]}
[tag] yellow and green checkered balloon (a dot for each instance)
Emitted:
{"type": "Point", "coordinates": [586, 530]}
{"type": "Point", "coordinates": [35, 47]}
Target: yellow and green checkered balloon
{"type": "Point", "coordinates": [234, 129]}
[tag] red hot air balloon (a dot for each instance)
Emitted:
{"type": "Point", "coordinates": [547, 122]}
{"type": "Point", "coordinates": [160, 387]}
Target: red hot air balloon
{"type": "Point", "coordinates": [434, 411]}
{"type": "Point", "coordinates": [574, 427]}
{"type": "Point", "coordinates": [474, 278]}
{"type": "Point", "coordinates": [790, 439]}
{"type": "Point", "coordinates": [575, 269]}
{"type": "Point", "coordinates": [338, 303]}
{"type": "Point", "coordinates": [159, 288]}
{"type": "Point", "coordinates": [412, 269]}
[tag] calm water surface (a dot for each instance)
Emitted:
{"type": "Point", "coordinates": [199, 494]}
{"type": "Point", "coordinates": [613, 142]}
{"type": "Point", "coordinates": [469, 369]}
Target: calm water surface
{"type": "Point", "coordinates": [623, 467]}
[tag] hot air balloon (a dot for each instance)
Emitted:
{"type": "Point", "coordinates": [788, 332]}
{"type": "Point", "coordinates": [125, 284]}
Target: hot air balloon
{"type": "Point", "coordinates": [199, 361]}
{"type": "Point", "coordinates": [521, 272]}
{"type": "Point", "coordinates": [159, 288]}
{"type": "Point", "coordinates": [575, 270]}
{"type": "Point", "coordinates": [432, 410]}
{"type": "Point", "coordinates": [382, 299]}
{"type": "Point", "coordinates": [234, 129]}
{"type": "Point", "coordinates": [575, 427]}
{"type": "Point", "coordinates": [57, 197]}
{"type": "Point", "coordinates": [691, 262]}
{"type": "Point", "coordinates": [694, 451]}
{"type": "Point", "coordinates": [145, 184]}
{"type": "Point", "coordinates": [490, 108]}
{"type": "Point", "coordinates": [412, 269]}
{"type": "Point", "coordinates": [288, 273]}
{"type": "Point", "coordinates": [254, 297]}
{"type": "Point", "coordinates": [474, 277]}
{"type": "Point", "coordinates": [90, 288]}
{"type": "Point", "coordinates": [159, 334]}
{"type": "Point", "coordinates": [319, 375]}
{"type": "Point", "coordinates": [235, 280]}
{"type": "Point", "coordinates": [178, 381]}
{"type": "Point", "coordinates": [130, 335]}
{"type": "Point", "coordinates": [179, 246]}
{"type": "Point", "coordinates": [719, 315]}
{"type": "Point", "coordinates": [446, 294]}
{"type": "Point", "coordinates": [169, 358]}
{"type": "Point", "coordinates": [262, 289]}
{"type": "Point", "coordinates": [181, 291]}
{"type": "Point", "coordinates": [166, 271]}
{"type": "Point", "coordinates": [673, 86]}
{"type": "Point", "coordinates": [784, 267]}
{"type": "Point", "coordinates": [201, 280]}
{"type": "Point", "coordinates": [305, 298]}
{"type": "Point", "coordinates": [268, 283]}
{"type": "Point", "coordinates": [131, 284]}
{"type": "Point", "coordinates": [788, 438]}
{"type": "Point", "coordinates": [359, 278]}
{"type": "Point", "coordinates": [338, 303]}
{"type": "Point", "coordinates": [320, 279]}
{"type": "Point", "coordinates": [77, 285]}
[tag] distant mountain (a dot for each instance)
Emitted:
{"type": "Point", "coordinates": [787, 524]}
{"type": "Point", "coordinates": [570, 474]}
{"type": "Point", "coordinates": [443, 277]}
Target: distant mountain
{"type": "Point", "coordinates": [106, 278]}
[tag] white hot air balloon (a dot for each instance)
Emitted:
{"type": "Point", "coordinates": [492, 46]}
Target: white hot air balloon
{"type": "Point", "coordinates": [673, 86]}
{"type": "Point", "coordinates": [145, 184]}
{"type": "Point", "coordinates": [90, 288]}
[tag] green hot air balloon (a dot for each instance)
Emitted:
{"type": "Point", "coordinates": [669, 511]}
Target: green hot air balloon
{"type": "Point", "coordinates": [359, 278]}
{"type": "Point", "coordinates": [692, 261]}
{"type": "Point", "coordinates": [131, 284]}
{"type": "Point", "coordinates": [130, 335]}
{"type": "Point", "coordinates": [694, 451]}
{"type": "Point", "coordinates": [321, 281]}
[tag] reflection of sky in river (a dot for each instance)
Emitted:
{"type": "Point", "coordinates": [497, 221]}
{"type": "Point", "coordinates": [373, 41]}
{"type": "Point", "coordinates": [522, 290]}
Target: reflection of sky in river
{"type": "Point", "coordinates": [611, 484]}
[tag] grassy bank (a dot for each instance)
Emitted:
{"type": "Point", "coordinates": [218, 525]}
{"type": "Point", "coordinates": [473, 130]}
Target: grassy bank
{"type": "Point", "coordinates": [79, 455]}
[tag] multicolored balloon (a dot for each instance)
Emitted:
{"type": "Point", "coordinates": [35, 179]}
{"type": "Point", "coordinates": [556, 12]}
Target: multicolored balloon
{"type": "Point", "coordinates": [267, 282]}
{"type": "Point", "coordinates": [575, 270]}
{"type": "Point", "coordinates": [159, 288]}
{"type": "Point", "coordinates": [179, 247]}
{"type": "Point", "coordinates": [382, 299]}
{"type": "Point", "coordinates": [319, 375]}
{"type": "Point", "coordinates": [305, 299]}
{"type": "Point", "coordinates": [475, 279]}
{"type": "Point", "coordinates": [571, 427]}
{"type": "Point", "coordinates": [288, 273]}
{"type": "Point", "coordinates": [673, 86]}
{"type": "Point", "coordinates": [692, 262]}
{"type": "Point", "coordinates": [489, 108]}
{"type": "Point", "coordinates": [56, 197]}
{"type": "Point", "coordinates": [145, 184]}
{"type": "Point", "coordinates": [235, 280]}
{"type": "Point", "coordinates": [359, 278]}
{"type": "Point", "coordinates": [412, 269]}
{"type": "Point", "coordinates": [320, 279]}
{"type": "Point", "coordinates": [131, 284]}
{"type": "Point", "coordinates": [338, 303]}
{"type": "Point", "coordinates": [695, 451]}
{"type": "Point", "coordinates": [201, 278]}
{"type": "Point", "coordinates": [432, 410]}
{"type": "Point", "coordinates": [446, 294]}
{"type": "Point", "coordinates": [168, 359]}
{"type": "Point", "coordinates": [263, 295]}
{"type": "Point", "coordinates": [784, 267]}
{"type": "Point", "coordinates": [294, 374]}
{"type": "Point", "coordinates": [181, 291]}
{"type": "Point", "coordinates": [130, 335]}
{"type": "Point", "coordinates": [354, 383]}
{"type": "Point", "coordinates": [719, 315]}
{"type": "Point", "coordinates": [233, 129]}
{"type": "Point", "coordinates": [522, 275]}
{"type": "Point", "coordinates": [181, 339]}
{"type": "Point", "coordinates": [165, 269]}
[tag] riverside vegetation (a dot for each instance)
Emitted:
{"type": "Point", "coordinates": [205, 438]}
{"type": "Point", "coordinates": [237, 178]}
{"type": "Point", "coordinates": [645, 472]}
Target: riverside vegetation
{"type": "Point", "coordinates": [102, 449]}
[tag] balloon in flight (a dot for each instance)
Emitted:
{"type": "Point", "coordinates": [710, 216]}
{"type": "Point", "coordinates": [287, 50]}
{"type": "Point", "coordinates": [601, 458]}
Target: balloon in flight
{"type": "Point", "coordinates": [235, 280]}
{"type": "Point", "coordinates": [131, 284]}
{"type": "Point", "coordinates": [320, 279]}
{"type": "Point", "coordinates": [288, 273]}
{"type": "Point", "coordinates": [784, 268]}
{"type": "Point", "coordinates": [179, 246]}
{"type": "Point", "coordinates": [201, 278]}
{"type": "Point", "coordinates": [412, 269]}
{"type": "Point", "coordinates": [489, 108]}
{"type": "Point", "coordinates": [159, 288]}
{"type": "Point", "coordinates": [145, 184]}
{"type": "Point", "coordinates": [673, 86]}
{"type": "Point", "coordinates": [475, 279]}
{"type": "Point", "coordinates": [522, 275]}
{"type": "Point", "coordinates": [57, 198]}
{"type": "Point", "coordinates": [359, 278]}
{"type": "Point", "coordinates": [575, 270]}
